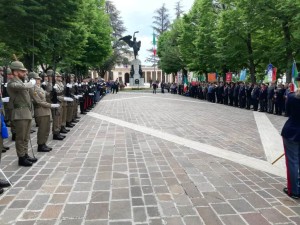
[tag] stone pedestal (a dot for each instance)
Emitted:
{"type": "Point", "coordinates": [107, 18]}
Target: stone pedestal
{"type": "Point", "coordinates": [136, 80]}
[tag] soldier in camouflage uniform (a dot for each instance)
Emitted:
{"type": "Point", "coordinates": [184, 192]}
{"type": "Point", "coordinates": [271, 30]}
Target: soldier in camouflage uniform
{"type": "Point", "coordinates": [21, 114]}
{"type": "Point", "coordinates": [42, 112]}
{"type": "Point", "coordinates": [56, 112]}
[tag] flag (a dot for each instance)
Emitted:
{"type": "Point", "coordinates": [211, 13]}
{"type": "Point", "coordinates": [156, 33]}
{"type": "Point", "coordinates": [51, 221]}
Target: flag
{"type": "Point", "coordinates": [185, 83]}
{"type": "Point", "coordinates": [269, 73]}
{"type": "Point", "coordinates": [294, 75]}
{"type": "Point", "coordinates": [243, 74]}
{"type": "Point", "coordinates": [154, 51]}
{"type": "Point", "coordinates": [212, 77]}
{"type": "Point", "coordinates": [154, 44]}
{"type": "Point", "coordinates": [154, 39]}
{"type": "Point", "coordinates": [274, 74]}
{"type": "Point", "coordinates": [228, 77]}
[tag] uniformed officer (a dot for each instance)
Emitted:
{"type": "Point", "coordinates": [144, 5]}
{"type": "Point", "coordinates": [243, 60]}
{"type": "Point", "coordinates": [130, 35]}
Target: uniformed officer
{"type": "Point", "coordinates": [42, 112]}
{"type": "Point", "coordinates": [60, 88]}
{"type": "Point", "coordinates": [21, 115]}
{"type": "Point", "coordinates": [56, 112]}
{"type": "Point", "coordinates": [291, 141]}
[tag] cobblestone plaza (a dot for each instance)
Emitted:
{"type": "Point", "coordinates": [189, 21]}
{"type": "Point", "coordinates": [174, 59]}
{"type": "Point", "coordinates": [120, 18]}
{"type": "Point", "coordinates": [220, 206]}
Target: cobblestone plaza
{"type": "Point", "coordinates": [139, 158]}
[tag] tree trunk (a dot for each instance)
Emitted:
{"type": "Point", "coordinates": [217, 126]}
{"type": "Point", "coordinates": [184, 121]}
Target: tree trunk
{"type": "Point", "coordinates": [288, 50]}
{"type": "Point", "coordinates": [250, 58]}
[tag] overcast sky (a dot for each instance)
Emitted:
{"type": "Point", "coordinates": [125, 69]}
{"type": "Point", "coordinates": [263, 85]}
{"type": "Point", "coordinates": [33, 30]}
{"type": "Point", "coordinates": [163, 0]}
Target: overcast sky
{"type": "Point", "coordinates": [138, 16]}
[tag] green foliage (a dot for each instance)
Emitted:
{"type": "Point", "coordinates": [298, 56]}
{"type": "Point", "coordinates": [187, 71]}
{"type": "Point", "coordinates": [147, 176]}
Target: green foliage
{"type": "Point", "coordinates": [65, 34]}
{"type": "Point", "coordinates": [228, 35]}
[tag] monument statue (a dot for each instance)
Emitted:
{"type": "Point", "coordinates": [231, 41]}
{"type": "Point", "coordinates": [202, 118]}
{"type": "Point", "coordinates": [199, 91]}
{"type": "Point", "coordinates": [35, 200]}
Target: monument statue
{"type": "Point", "coordinates": [136, 45]}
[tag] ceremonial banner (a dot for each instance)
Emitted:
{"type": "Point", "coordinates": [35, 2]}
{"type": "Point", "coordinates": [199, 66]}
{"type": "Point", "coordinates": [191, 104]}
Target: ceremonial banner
{"type": "Point", "coordinates": [243, 75]}
{"type": "Point", "coordinates": [294, 75]}
{"type": "Point", "coordinates": [228, 77]}
{"type": "Point", "coordinates": [270, 73]}
{"type": "Point", "coordinates": [212, 77]}
{"type": "Point", "coordinates": [274, 74]}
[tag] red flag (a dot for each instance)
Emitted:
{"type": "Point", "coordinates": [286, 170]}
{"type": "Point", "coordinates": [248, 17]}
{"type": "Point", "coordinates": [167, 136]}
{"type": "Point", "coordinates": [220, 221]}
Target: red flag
{"type": "Point", "coordinates": [228, 77]}
{"type": "Point", "coordinates": [154, 51]}
{"type": "Point", "coordinates": [274, 74]}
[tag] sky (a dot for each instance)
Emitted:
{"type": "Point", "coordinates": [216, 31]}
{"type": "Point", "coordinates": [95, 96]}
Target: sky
{"type": "Point", "coordinates": [138, 16]}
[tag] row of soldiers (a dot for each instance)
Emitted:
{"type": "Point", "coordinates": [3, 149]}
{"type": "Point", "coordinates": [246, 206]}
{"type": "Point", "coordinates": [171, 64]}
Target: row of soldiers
{"type": "Point", "coordinates": [45, 101]}
{"type": "Point", "coordinates": [265, 97]}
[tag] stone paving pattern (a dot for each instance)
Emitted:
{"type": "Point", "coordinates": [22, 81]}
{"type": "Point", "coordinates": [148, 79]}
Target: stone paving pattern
{"type": "Point", "coordinates": [107, 174]}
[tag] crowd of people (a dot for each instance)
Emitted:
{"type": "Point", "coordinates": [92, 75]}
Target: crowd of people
{"type": "Point", "coordinates": [265, 97]}
{"type": "Point", "coordinates": [42, 99]}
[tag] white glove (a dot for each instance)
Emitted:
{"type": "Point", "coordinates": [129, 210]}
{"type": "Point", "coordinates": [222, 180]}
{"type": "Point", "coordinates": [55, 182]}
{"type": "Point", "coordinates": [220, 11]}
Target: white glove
{"type": "Point", "coordinates": [69, 85]}
{"type": "Point", "coordinates": [79, 96]}
{"type": "Point", "coordinates": [91, 94]}
{"type": "Point", "coordinates": [33, 81]}
{"type": "Point", "coordinates": [79, 85]}
{"type": "Point", "coordinates": [67, 99]}
{"type": "Point", "coordinates": [55, 86]}
{"type": "Point", "coordinates": [54, 106]}
{"type": "Point", "coordinates": [76, 84]}
{"type": "Point", "coordinates": [5, 85]}
{"type": "Point", "coordinates": [44, 83]}
{"type": "Point", "coordinates": [6, 99]}
{"type": "Point", "coordinates": [28, 85]}
{"type": "Point", "coordinates": [76, 96]}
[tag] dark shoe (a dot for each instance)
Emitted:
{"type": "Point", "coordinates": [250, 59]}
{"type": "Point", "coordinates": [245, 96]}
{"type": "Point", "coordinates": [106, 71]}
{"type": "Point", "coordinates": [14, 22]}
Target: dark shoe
{"type": "Point", "coordinates": [24, 162]}
{"type": "Point", "coordinates": [70, 125]}
{"type": "Point", "coordinates": [84, 113]}
{"type": "Point", "coordinates": [63, 131]}
{"type": "Point", "coordinates": [42, 148]}
{"type": "Point", "coordinates": [75, 121]}
{"type": "Point", "coordinates": [6, 148]}
{"type": "Point", "coordinates": [13, 137]}
{"type": "Point", "coordinates": [77, 117]}
{"type": "Point", "coordinates": [50, 149]}
{"type": "Point", "coordinates": [58, 137]}
{"type": "Point", "coordinates": [1, 191]}
{"type": "Point", "coordinates": [4, 184]}
{"type": "Point", "coordinates": [3, 150]}
{"type": "Point", "coordinates": [31, 159]}
{"type": "Point", "coordinates": [285, 190]}
{"type": "Point", "coordinates": [32, 131]}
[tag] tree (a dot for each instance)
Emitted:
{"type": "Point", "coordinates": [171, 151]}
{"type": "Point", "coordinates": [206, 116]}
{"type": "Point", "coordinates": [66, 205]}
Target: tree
{"type": "Point", "coordinates": [161, 21]}
{"type": "Point", "coordinates": [120, 49]}
{"type": "Point", "coordinates": [168, 50]}
{"type": "Point", "coordinates": [178, 9]}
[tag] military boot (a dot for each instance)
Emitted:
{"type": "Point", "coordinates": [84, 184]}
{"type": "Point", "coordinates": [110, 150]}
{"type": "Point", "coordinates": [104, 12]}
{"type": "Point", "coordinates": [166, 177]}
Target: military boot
{"type": "Point", "coordinates": [58, 137]}
{"type": "Point", "coordinates": [70, 125]}
{"type": "Point", "coordinates": [24, 162]}
{"type": "Point", "coordinates": [31, 159]}
{"type": "Point", "coordinates": [43, 148]}
{"type": "Point", "coordinates": [63, 130]}
{"type": "Point", "coordinates": [50, 149]}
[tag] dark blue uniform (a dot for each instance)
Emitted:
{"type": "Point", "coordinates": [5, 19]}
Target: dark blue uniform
{"type": "Point", "coordinates": [291, 141]}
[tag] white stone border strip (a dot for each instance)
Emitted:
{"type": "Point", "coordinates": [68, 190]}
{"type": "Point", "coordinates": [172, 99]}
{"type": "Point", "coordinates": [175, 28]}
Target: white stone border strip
{"type": "Point", "coordinates": [271, 139]}
{"type": "Point", "coordinates": [208, 149]}
{"type": "Point", "coordinates": [120, 99]}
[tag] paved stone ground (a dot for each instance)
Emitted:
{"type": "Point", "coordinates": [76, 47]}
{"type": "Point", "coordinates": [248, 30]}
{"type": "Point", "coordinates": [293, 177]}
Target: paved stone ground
{"type": "Point", "coordinates": [105, 173]}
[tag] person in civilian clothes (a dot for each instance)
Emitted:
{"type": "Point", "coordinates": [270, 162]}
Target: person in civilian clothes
{"type": "Point", "coordinates": [263, 96]}
{"type": "Point", "coordinates": [242, 96]}
{"type": "Point", "coordinates": [230, 94]}
{"type": "Point", "coordinates": [249, 89]}
{"type": "Point", "coordinates": [279, 99]}
{"type": "Point", "coordinates": [236, 94]}
{"type": "Point", "coordinates": [225, 94]}
{"type": "Point", "coordinates": [271, 90]}
{"type": "Point", "coordinates": [255, 97]}
{"type": "Point", "coordinates": [291, 141]}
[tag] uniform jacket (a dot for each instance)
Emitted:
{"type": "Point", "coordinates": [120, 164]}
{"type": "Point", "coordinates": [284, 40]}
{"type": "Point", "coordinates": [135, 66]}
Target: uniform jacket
{"type": "Point", "coordinates": [40, 104]}
{"type": "Point", "coordinates": [291, 129]}
{"type": "Point", "coordinates": [20, 99]}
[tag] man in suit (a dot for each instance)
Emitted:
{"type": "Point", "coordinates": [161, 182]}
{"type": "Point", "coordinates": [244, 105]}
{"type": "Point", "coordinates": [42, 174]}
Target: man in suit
{"type": "Point", "coordinates": [21, 114]}
{"type": "Point", "coordinates": [42, 112]}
